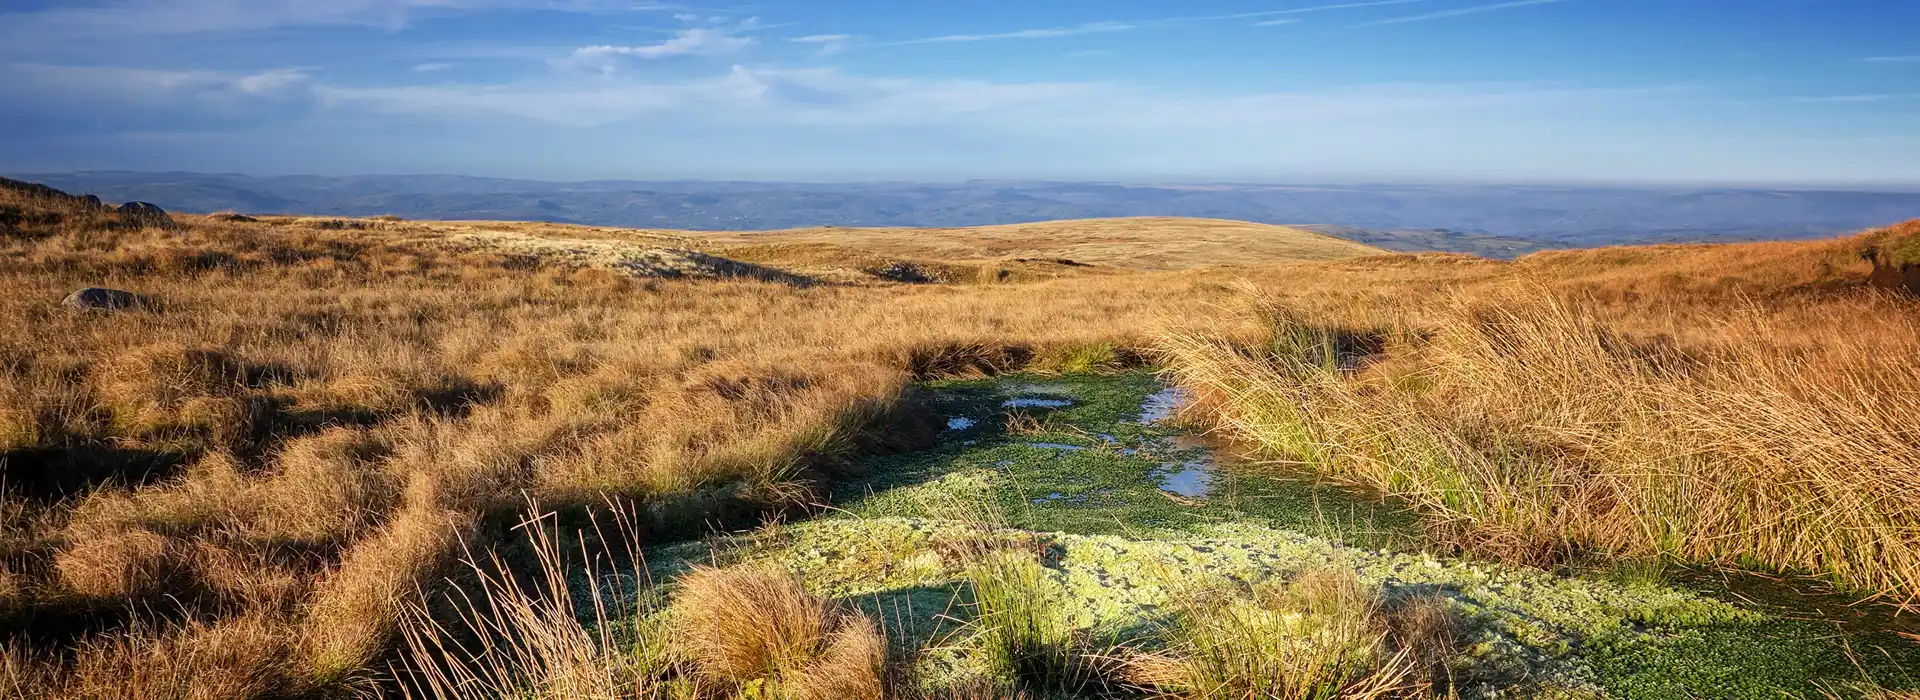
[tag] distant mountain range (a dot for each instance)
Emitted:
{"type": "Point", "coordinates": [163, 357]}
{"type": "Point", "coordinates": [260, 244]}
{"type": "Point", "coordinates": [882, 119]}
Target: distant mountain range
{"type": "Point", "coordinates": [1489, 220]}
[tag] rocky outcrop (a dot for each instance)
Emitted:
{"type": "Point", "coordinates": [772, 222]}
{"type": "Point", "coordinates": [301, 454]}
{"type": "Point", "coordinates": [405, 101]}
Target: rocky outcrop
{"type": "Point", "coordinates": [1894, 253]}
{"type": "Point", "coordinates": [147, 214]}
{"type": "Point", "coordinates": [104, 299]}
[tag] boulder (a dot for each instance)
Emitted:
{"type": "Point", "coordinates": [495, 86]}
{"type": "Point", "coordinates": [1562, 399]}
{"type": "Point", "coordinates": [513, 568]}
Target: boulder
{"type": "Point", "coordinates": [103, 299]}
{"type": "Point", "coordinates": [147, 214]}
{"type": "Point", "coordinates": [93, 201]}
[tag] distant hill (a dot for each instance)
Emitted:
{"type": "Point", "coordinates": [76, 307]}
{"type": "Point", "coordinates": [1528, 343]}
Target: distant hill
{"type": "Point", "coordinates": [1493, 220]}
{"type": "Point", "coordinates": [1148, 243]}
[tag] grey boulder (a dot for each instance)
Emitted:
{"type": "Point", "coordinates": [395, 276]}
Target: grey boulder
{"type": "Point", "coordinates": [146, 214]}
{"type": "Point", "coordinates": [103, 299]}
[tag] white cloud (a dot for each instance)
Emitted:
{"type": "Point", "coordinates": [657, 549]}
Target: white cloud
{"type": "Point", "coordinates": [828, 44]}
{"type": "Point", "coordinates": [1848, 99]}
{"type": "Point", "coordinates": [691, 41]}
{"type": "Point", "coordinates": [1459, 12]}
{"type": "Point", "coordinates": [1276, 22]}
{"type": "Point", "coordinates": [1110, 26]}
{"type": "Point", "coordinates": [93, 98]}
{"type": "Point", "coordinates": [830, 97]}
{"type": "Point", "coordinates": [1892, 59]}
{"type": "Point", "coordinates": [171, 17]}
{"type": "Point", "coordinates": [1043, 33]}
{"type": "Point", "coordinates": [431, 67]}
{"type": "Point", "coordinates": [698, 41]}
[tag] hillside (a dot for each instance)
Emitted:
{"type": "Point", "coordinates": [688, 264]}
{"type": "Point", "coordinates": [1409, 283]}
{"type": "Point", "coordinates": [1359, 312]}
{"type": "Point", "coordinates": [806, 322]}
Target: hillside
{"type": "Point", "coordinates": [318, 457]}
{"type": "Point", "coordinates": [1147, 243]}
{"type": "Point", "coordinates": [1556, 216]}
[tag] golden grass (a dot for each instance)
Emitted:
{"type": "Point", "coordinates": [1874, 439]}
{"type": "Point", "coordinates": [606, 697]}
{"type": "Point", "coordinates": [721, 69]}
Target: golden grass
{"type": "Point", "coordinates": [294, 439]}
{"type": "Point", "coordinates": [752, 629]}
{"type": "Point", "coordinates": [1319, 635]}
{"type": "Point", "coordinates": [310, 417]}
{"type": "Point", "coordinates": [1734, 404]}
{"type": "Point", "coordinates": [1142, 243]}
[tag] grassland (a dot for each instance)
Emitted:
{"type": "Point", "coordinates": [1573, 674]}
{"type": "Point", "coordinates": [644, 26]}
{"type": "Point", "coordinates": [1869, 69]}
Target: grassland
{"type": "Point", "coordinates": [238, 489]}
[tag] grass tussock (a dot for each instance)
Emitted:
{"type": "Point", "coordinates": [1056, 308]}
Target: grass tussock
{"type": "Point", "coordinates": [296, 436]}
{"type": "Point", "coordinates": [1020, 619]}
{"type": "Point", "coordinates": [758, 632]}
{"type": "Point", "coordinates": [309, 417]}
{"type": "Point", "coordinates": [1318, 636]}
{"type": "Point", "coordinates": [1764, 427]}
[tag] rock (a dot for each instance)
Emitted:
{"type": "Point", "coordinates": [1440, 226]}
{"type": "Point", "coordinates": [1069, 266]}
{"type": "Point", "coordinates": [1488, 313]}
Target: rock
{"type": "Point", "coordinates": [147, 214]}
{"type": "Point", "coordinates": [93, 201]}
{"type": "Point", "coordinates": [101, 298]}
{"type": "Point", "coordinates": [234, 218]}
{"type": "Point", "coordinates": [902, 271]}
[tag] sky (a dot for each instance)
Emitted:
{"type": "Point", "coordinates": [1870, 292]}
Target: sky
{"type": "Point", "coordinates": [1813, 92]}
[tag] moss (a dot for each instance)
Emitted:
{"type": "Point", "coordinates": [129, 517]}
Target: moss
{"type": "Point", "coordinates": [1116, 549]}
{"type": "Point", "coordinates": [1098, 472]}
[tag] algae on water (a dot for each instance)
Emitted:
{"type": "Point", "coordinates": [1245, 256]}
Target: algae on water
{"type": "Point", "coordinates": [1086, 495]}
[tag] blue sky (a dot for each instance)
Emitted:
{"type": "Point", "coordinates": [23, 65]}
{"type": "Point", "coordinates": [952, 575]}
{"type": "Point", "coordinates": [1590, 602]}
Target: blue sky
{"type": "Point", "coordinates": [1696, 91]}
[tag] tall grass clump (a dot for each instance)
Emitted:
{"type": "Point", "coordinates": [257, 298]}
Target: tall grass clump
{"type": "Point", "coordinates": [757, 632]}
{"type": "Point", "coordinates": [1319, 636]}
{"type": "Point", "coordinates": [1541, 426]}
{"type": "Point", "coordinates": [1022, 620]}
{"type": "Point", "coordinates": [571, 625]}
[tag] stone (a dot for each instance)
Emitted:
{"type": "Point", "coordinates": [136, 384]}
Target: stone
{"type": "Point", "coordinates": [147, 214]}
{"type": "Point", "coordinates": [103, 299]}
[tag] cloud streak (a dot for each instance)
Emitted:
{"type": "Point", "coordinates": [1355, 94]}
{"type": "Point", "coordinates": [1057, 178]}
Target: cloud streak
{"type": "Point", "coordinates": [1891, 59]}
{"type": "Point", "coordinates": [1113, 26]}
{"type": "Point", "coordinates": [125, 18]}
{"type": "Point", "coordinates": [1105, 27]}
{"type": "Point", "coordinates": [1459, 12]}
{"type": "Point", "coordinates": [1856, 99]}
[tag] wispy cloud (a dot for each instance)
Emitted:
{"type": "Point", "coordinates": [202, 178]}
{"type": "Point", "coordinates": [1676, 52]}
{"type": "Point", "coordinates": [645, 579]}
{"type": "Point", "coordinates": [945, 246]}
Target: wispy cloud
{"type": "Point", "coordinates": [1275, 22]}
{"type": "Point", "coordinates": [828, 43]}
{"type": "Point", "coordinates": [690, 41]}
{"type": "Point", "coordinates": [1089, 53]}
{"type": "Point", "coordinates": [1855, 99]}
{"type": "Point", "coordinates": [1111, 26]}
{"type": "Point", "coordinates": [1304, 10]}
{"type": "Point", "coordinates": [174, 17]}
{"type": "Point", "coordinates": [1106, 27]}
{"type": "Point", "coordinates": [431, 67]}
{"type": "Point", "coordinates": [1459, 12]}
{"type": "Point", "coordinates": [1892, 59]}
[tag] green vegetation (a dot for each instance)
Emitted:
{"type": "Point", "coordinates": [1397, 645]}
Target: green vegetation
{"type": "Point", "coordinates": [990, 587]}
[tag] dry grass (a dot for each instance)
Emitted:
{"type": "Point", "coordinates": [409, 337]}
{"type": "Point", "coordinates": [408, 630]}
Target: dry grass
{"type": "Point", "coordinates": [1320, 635]}
{"type": "Point", "coordinates": [295, 438]}
{"type": "Point", "coordinates": [1149, 243]}
{"type": "Point", "coordinates": [1736, 404]}
{"type": "Point", "coordinates": [310, 417]}
{"type": "Point", "coordinates": [753, 630]}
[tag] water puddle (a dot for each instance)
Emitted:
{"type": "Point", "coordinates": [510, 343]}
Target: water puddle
{"type": "Point", "coordinates": [1076, 499]}
{"type": "Point", "coordinates": [1108, 462]}
{"type": "Point", "coordinates": [1162, 404]}
{"type": "Point", "coordinates": [1186, 479]}
{"type": "Point", "coordinates": [1055, 446]}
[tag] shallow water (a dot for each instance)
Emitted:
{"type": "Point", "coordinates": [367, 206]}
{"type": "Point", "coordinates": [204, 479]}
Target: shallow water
{"type": "Point", "coordinates": [1191, 480]}
{"type": "Point", "coordinates": [1162, 404]}
{"type": "Point", "coordinates": [1055, 446]}
{"type": "Point", "coordinates": [1096, 468]}
{"type": "Point", "coordinates": [960, 423]}
{"type": "Point", "coordinates": [1030, 402]}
